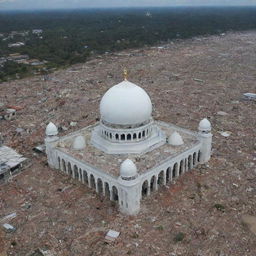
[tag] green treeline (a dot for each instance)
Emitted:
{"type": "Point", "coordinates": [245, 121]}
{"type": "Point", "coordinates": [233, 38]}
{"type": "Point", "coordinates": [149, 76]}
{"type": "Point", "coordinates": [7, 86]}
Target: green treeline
{"type": "Point", "coordinates": [72, 36]}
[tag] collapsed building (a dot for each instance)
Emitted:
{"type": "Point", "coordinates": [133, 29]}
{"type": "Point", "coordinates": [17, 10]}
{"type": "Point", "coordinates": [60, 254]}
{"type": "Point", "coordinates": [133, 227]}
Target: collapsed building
{"type": "Point", "coordinates": [127, 154]}
{"type": "Point", "coordinates": [11, 162]}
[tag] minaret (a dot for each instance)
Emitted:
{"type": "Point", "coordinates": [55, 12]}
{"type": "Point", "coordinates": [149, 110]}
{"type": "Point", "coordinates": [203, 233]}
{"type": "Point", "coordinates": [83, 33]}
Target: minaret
{"type": "Point", "coordinates": [50, 141]}
{"type": "Point", "coordinates": [129, 189]}
{"type": "Point", "coordinates": [205, 135]}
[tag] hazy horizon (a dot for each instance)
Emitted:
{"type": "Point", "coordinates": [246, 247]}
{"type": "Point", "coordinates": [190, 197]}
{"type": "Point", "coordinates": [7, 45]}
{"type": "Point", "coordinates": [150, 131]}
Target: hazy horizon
{"type": "Point", "coordinates": [86, 4]}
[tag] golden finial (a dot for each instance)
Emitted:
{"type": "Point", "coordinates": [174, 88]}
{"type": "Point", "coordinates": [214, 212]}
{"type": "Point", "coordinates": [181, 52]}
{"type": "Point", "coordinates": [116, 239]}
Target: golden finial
{"type": "Point", "coordinates": [125, 74]}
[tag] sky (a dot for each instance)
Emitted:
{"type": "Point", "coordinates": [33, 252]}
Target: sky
{"type": "Point", "coordinates": [67, 4]}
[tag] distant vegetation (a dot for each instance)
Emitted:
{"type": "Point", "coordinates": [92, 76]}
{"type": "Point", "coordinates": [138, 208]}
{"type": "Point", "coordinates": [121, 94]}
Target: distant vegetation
{"type": "Point", "coordinates": [70, 37]}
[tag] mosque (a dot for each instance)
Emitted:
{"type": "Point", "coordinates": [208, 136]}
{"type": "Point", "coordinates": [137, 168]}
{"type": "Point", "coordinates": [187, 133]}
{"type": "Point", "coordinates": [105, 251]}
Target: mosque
{"type": "Point", "coordinates": [127, 155]}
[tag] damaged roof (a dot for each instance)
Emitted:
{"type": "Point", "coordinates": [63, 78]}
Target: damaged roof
{"type": "Point", "coordinates": [9, 158]}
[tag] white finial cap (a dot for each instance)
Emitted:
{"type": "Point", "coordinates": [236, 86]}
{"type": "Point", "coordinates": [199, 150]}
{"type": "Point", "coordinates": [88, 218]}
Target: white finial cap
{"type": "Point", "coordinates": [79, 143]}
{"type": "Point", "coordinates": [128, 169]}
{"type": "Point", "coordinates": [204, 125]}
{"type": "Point", "coordinates": [51, 129]}
{"type": "Point", "coordinates": [175, 139]}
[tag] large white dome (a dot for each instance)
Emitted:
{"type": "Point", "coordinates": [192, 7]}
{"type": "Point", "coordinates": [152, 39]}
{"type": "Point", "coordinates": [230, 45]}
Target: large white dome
{"type": "Point", "coordinates": [125, 104]}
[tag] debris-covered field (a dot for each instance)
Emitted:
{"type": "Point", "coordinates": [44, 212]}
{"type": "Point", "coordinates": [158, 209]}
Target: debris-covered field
{"type": "Point", "coordinates": [210, 211]}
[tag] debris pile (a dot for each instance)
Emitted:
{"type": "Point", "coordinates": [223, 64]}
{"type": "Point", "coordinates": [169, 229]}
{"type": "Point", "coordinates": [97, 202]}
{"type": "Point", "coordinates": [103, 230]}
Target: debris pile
{"type": "Point", "coordinates": [200, 214]}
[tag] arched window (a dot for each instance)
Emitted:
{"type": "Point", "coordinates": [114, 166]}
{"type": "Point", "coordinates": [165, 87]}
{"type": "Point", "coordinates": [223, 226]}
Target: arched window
{"type": "Point", "coordinates": [64, 166]}
{"type": "Point", "coordinates": [85, 177]}
{"type": "Point", "coordinates": [129, 136]}
{"type": "Point", "coordinates": [76, 175]}
{"type": "Point", "coordinates": [143, 134]}
{"type": "Point", "coordinates": [117, 136]}
{"type": "Point", "coordinates": [168, 174]}
{"type": "Point", "coordinates": [181, 167]}
{"type": "Point", "coordinates": [107, 191]}
{"type": "Point", "coordinates": [110, 136]}
{"type": "Point", "coordinates": [153, 184]}
{"type": "Point", "coordinates": [198, 156]}
{"type": "Point", "coordinates": [190, 162]}
{"type": "Point", "coordinates": [92, 180]}
{"type": "Point", "coordinates": [122, 137]}
{"type": "Point", "coordinates": [175, 170]}
{"type": "Point", "coordinates": [139, 135]}
{"type": "Point", "coordinates": [144, 189]}
{"type": "Point", "coordinates": [160, 180]}
{"type": "Point", "coordinates": [69, 169]}
{"type": "Point", "coordinates": [115, 193]}
{"type": "Point", "coordinates": [194, 158]}
{"type": "Point", "coordinates": [100, 186]}
{"type": "Point", "coordinates": [134, 136]}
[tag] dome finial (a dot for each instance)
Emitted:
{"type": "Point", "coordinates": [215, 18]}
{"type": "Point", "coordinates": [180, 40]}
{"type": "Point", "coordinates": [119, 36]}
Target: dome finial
{"type": "Point", "coordinates": [125, 74]}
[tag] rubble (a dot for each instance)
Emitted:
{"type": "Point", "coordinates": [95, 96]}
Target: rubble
{"type": "Point", "coordinates": [250, 221]}
{"type": "Point", "coordinates": [225, 134]}
{"type": "Point", "coordinates": [10, 163]}
{"type": "Point", "coordinates": [9, 228]}
{"type": "Point", "coordinates": [112, 235]}
{"type": "Point", "coordinates": [70, 219]}
{"type": "Point", "coordinates": [8, 114]}
{"type": "Point", "coordinates": [222, 113]}
{"type": "Point", "coordinates": [250, 96]}
{"type": "Point", "coordinates": [8, 217]}
{"type": "Point", "coordinates": [39, 148]}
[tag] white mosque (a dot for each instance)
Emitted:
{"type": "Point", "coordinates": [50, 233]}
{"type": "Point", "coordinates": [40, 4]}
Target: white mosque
{"type": "Point", "coordinates": [128, 155]}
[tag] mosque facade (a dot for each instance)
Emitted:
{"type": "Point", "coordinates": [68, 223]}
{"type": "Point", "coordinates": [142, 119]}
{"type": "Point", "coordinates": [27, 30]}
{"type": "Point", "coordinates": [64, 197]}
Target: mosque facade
{"type": "Point", "coordinates": [128, 155]}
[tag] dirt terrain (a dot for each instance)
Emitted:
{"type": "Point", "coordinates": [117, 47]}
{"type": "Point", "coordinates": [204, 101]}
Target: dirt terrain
{"type": "Point", "coordinates": [202, 214]}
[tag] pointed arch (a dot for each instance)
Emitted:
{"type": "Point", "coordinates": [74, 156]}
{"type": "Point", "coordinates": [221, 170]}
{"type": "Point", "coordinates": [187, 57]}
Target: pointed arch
{"type": "Point", "coordinates": [115, 193]}
{"type": "Point", "coordinates": [160, 180]}
{"type": "Point", "coordinates": [107, 190]}
{"type": "Point", "coordinates": [194, 159]}
{"type": "Point", "coordinates": [181, 169]}
{"type": "Point", "coordinates": [69, 169]}
{"type": "Point", "coordinates": [144, 189]}
{"type": "Point", "coordinates": [85, 176]}
{"type": "Point", "coordinates": [100, 186]}
{"type": "Point", "coordinates": [92, 181]}
{"type": "Point", "coordinates": [175, 170]}
{"type": "Point", "coordinates": [64, 169]}
{"type": "Point", "coordinates": [129, 136]}
{"type": "Point", "coordinates": [153, 183]}
{"type": "Point", "coordinates": [76, 175]}
{"type": "Point", "coordinates": [198, 156]}
{"type": "Point", "coordinates": [168, 176]}
{"type": "Point", "coordinates": [190, 162]}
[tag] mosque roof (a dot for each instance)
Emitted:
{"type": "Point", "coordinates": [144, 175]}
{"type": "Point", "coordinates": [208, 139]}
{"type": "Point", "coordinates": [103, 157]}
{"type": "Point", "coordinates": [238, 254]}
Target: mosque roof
{"type": "Point", "coordinates": [125, 104]}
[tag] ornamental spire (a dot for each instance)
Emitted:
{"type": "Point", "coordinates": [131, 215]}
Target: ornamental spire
{"type": "Point", "coordinates": [125, 74]}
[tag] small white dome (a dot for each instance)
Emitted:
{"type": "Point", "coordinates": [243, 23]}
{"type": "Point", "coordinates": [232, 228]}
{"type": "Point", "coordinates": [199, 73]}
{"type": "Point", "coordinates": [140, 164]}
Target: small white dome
{"type": "Point", "coordinates": [128, 169]}
{"type": "Point", "coordinates": [79, 143]}
{"type": "Point", "coordinates": [125, 104]}
{"type": "Point", "coordinates": [175, 139]}
{"type": "Point", "coordinates": [204, 125]}
{"type": "Point", "coordinates": [51, 129]}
